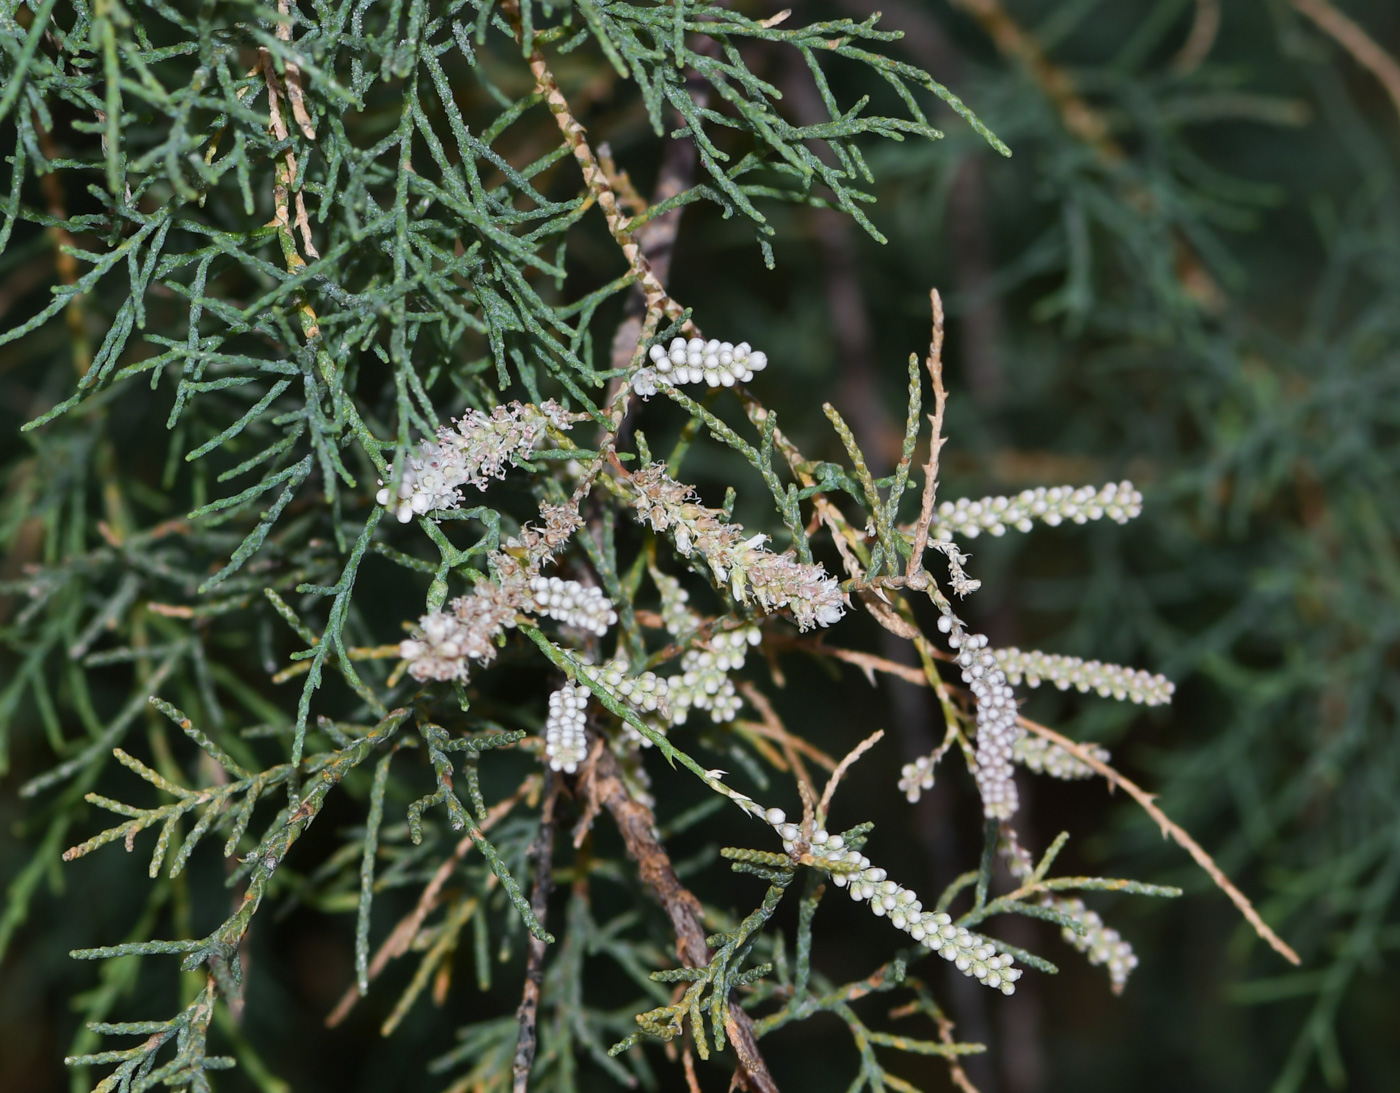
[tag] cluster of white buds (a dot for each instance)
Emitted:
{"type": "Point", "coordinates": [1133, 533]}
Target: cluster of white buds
{"type": "Point", "coordinates": [718, 364]}
{"type": "Point", "coordinates": [678, 618]}
{"type": "Point", "coordinates": [1102, 944]}
{"type": "Point", "coordinates": [565, 741]}
{"type": "Point", "coordinates": [439, 649]}
{"type": "Point", "coordinates": [972, 954]}
{"type": "Point", "coordinates": [1109, 680]}
{"type": "Point", "coordinates": [444, 641]}
{"type": "Point", "coordinates": [1118, 501]}
{"type": "Point", "coordinates": [997, 731]}
{"type": "Point", "coordinates": [646, 692]}
{"type": "Point", "coordinates": [573, 604]}
{"type": "Point", "coordinates": [737, 560]}
{"type": "Point", "coordinates": [1045, 757]}
{"type": "Point", "coordinates": [477, 450]}
{"type": "Point", "coordinates": [704, 683]}
{"type": "Point", "coordinates": [916, 778]}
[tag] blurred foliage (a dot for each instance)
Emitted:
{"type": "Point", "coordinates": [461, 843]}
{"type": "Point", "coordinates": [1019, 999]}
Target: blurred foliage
{"type": "Point", "coordinates": [1188, 273]}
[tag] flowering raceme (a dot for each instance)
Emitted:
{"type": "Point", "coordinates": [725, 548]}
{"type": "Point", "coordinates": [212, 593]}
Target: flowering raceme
{"type": "Point", "coordinates": [477, 450]}
{"type": "Point", "coordinates": [718, 364]}
{"type": "Point", "coordinates": [973, 955]}
{"type": "Point", "coordinates": [775, 581]}
{"type": "Point", "coordinates": [1053, 505]}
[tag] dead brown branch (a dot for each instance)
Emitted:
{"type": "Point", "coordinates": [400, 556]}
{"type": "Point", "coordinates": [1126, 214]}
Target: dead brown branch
{"type": "Point", "coordinates": [868, 663]}
{"type": "Point", "coordinates": [955, 1068]}
{"type": "Point", "coordinates": [934, 363]}
{"type": "Point", "coordinates": [794, 747]}
{"type": "Point", "coordinates": [638, 828]}
{"type": "Point", "coordinates": [845, 765]}
{"type": "Point", "coordinates": [1354, 39]}
{"type": "Point", "coordinates": [543, 853]}
{"type": "Point", "coordinates": [1204, 29]}
{"type": "Point", "coordinates": [1169, 830]}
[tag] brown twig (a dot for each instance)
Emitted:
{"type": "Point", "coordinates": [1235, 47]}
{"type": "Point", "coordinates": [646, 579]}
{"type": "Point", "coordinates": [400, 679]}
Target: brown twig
{"type": "Point", "coordinates": [868, 663]}
{"type": "Point", "coordinates": [543, 853]}
{"type": "Point", "coordinates": [934, 363]}
{"type": "Point", "coordinates": [1362, 47]}
{"type": "Point", "coordinates": [1204, 29]}
{"type": "Point", "coordinates": [692, 1080]}
{"type": "Point", "coordinates": [1169, 830]}
{"type": "Point", "coordinates": [956, 1073]}
{"type": "Point", "coordinates": [794, 747]}
{"type": "Point", "coordinates": [657, 298]}
{"type": "Point", "coordinates": [285, 185]}
{"type": "Point", "coordinates": [638, 828]}
{"type": "Point", "coordinates": [294, 91]}
{"type": "Point", "coordinates": [845, 765]}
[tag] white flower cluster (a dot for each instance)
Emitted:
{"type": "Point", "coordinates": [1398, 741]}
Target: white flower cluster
{"type": "Point", "coordinates": [916, 778]}
{"type": "Point", "coordinates": [444, 641]}
{"type": "Point", "coordinates": [1045, 757]}
{"type": "Point", "coordinates": [438, 652]}
{"type": "Point", "coordinates": [1109, 680]}
{"type": "Point", "coordinates": [678, 619]}
{"type": "Point", "coordinates": [478, 449]}
{"type": "Point", "coordinates": [704, 683]}
{"type": "Point", "coordinates": [573, 604]}
{"type": "Point", "coordinates": [740, 562]}
{"type": "Point", "coordinates": [565, 741]}
{"type": "Point", "coordinates": [718, 364]}
{"type": "Point", "coordinates": [997, 731]}
{"type": "Point", "coordinates": [973, 955]}
{"type": "Point", "coordinates": [646, 692]}
{"type": "Point", "coordinates": [1103, 944]}
{"type": "Point", "coordinates": [1118, 501]}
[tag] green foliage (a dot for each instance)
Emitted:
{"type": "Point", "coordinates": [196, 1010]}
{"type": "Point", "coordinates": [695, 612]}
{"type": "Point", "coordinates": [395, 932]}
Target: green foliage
{"type": "Point", "coordinates": [334, 250]}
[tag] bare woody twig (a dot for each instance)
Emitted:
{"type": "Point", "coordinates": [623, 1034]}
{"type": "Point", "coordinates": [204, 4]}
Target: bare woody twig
{"type": "Point", "coordinates": [285, 192]}
{"type": "Point", "coordinates": [1204, 29]}
{"type": "Point", "coordinates": [543, 853]}
{"type": "Point", "coordinates": [1351, 37]}
{"type": "Point", "coordinates": [657, 299]}
{"type": "Point", "coordinates": [845, 765]}
{"type": "Point", "coordinates": [794, 747]}
{"type": "Point", "coordinates": [956, 1073]}
{"type": "Point", "coordinates": [934, 363]}
{"type": "Point", "coordinates": [868, 663]}
{"type": "Point", "coordinates": [1169, 830]}
{"type": "Point", "coordinates": [294, 91]}
{"type": "Point", "coordinates": [638, 828]}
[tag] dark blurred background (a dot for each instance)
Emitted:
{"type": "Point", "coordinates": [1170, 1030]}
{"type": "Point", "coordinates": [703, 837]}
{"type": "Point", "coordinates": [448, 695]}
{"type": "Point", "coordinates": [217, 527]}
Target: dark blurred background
{"type": "Point", "coordinates": [1188, 274]}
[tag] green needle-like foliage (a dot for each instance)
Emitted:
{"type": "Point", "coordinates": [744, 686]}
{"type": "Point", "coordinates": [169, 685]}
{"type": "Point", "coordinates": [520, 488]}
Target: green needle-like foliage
{"type": "Point", "coordinates": [383, 497]}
